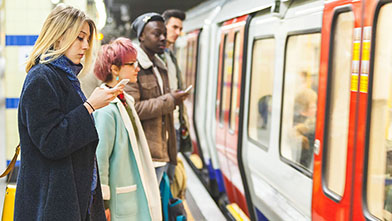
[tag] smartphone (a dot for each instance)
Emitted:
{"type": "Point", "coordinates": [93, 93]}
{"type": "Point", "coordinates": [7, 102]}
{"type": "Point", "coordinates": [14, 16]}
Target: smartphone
{"type": "Point", "coordinates": [122, 82]}
{"type": "Point", "coordinates": [188, 89]}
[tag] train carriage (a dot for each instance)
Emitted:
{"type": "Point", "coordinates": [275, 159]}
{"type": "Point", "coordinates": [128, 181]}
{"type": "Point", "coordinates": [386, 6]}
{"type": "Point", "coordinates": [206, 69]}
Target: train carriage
{"type": "Point", "coordinates": [352, 161]}
{"type": "Point", "coordinates": [281, 77]}
{"type": "Point", "coordinates": [296, 97]}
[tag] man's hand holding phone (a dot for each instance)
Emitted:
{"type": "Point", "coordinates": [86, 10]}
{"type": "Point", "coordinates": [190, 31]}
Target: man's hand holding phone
{"type": "Point", "coordinates": [188, 89]}
{"type": "Point", "coordinates": [179, 96]}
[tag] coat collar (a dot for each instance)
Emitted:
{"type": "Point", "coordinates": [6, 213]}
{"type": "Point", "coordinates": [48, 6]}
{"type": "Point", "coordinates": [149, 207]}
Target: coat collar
{"type": "Point", "coordinates": [145, 61]}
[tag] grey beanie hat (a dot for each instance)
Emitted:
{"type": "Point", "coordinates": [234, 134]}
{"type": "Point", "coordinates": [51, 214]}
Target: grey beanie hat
{"type": "Point", "coordinates": [141, 21]}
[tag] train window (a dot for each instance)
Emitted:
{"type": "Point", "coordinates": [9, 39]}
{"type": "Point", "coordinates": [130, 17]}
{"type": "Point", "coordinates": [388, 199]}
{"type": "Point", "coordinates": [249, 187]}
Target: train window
{"type": "Point", "coordinates": [300, 99]}
{"type": "Point", "coordinates": [181, 55]}
{"type": "Point", "coordinates": [338, 103]}
{"type": "Point", "coordinates": [234, 91]}
{"type": "Point", "coordinates": [190, 63]}
{"type": "Point", "coordinates": [222, 81]}
{"type": "Point", "coordinates": [226, 78]}
{"type": "Point", "coordinates": [192, 69]}
{"type": "Point", "coordinates": [260, 105]}
{"type": "Point", "coordinates": [379, 179]}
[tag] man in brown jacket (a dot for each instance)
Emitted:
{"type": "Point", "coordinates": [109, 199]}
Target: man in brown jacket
{"type": "Point", "coordinates": [154, 101]}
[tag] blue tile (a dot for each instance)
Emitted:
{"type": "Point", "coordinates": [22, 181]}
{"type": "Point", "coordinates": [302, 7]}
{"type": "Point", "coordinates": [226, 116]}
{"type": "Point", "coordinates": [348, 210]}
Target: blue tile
{"type": "Point", "coordinates": [20, 40]}
{"type": "Point", "coordinates": [11, 103]}
{"type": "Point", "coordinates": [17, 163]}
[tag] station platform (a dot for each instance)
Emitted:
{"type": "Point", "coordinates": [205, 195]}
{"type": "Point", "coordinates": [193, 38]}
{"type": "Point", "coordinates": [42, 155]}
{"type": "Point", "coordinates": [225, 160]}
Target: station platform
{"type": "Point", "coordinates": [198, 202]}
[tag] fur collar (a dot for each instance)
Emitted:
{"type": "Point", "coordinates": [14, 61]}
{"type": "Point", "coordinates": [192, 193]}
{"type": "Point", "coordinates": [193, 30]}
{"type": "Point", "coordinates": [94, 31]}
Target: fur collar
{"type": "Point", "coordinates": [145, 61]}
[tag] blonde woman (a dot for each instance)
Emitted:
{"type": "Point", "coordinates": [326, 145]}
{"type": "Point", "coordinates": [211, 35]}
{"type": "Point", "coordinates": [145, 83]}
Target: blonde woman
{"type": "Point", "coordinates": [58, 179]}
{"type": "Point", "coordinates": [129, 185]}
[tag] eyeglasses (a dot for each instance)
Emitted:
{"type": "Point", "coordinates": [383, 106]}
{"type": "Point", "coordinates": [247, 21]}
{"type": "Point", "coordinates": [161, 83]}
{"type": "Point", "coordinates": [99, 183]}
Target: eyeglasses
{"type": "Point", "coordinates": [134, 64]}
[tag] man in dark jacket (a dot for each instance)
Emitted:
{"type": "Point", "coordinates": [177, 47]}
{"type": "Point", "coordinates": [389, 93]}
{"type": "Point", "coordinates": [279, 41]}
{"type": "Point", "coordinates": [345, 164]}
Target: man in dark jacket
{"type": "Point", "coordinates": [154, 101]}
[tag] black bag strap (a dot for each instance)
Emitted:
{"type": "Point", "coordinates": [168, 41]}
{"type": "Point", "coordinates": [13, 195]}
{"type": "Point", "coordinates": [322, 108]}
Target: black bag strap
{"type": "Point", "coordinates": [11, 166]}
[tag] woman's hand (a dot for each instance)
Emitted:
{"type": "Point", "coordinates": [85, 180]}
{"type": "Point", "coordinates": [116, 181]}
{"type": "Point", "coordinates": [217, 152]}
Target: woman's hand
{"type": "Point", "coordinates": [102, 97]}
{"type": "Point", "coordinates": [107, 214]}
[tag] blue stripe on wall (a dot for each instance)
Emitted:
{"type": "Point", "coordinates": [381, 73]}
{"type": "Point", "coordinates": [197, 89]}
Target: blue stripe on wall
{"type": "Point", "coordinates": [17, 163]}
{"type": "Point", "coordinates": [20, 40]}
{"type": "Point", "coordinates": [11, 103]}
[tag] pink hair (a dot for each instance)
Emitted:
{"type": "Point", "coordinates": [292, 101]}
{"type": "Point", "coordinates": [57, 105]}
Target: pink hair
{"type": "Point", "coordinates": [116, 53]}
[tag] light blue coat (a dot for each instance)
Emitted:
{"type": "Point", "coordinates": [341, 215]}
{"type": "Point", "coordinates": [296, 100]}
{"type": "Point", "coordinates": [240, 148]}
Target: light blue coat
{"type": "Point", "coordinates": [127, 173]}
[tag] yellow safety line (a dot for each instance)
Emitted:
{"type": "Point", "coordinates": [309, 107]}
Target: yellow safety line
{"type": "Point", "coordinates": [237, 212]}
{"type": "Point", "coordinates": [233, 212]}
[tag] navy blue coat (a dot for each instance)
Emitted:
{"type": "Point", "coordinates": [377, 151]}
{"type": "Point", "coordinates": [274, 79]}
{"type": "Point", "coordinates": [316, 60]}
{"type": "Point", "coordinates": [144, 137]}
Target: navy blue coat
{"type": "Point", "coordinates": [58, 142]}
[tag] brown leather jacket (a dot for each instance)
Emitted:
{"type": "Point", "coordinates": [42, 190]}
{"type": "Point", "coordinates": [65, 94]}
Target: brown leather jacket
{"type": "Point", "coordinates": [155, 109]}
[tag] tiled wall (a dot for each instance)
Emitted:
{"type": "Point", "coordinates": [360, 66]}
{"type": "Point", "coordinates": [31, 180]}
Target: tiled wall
{"type": "Point", "coordinates": [20, 24]}
{"type": "Point", "coordinates": [23, 20]}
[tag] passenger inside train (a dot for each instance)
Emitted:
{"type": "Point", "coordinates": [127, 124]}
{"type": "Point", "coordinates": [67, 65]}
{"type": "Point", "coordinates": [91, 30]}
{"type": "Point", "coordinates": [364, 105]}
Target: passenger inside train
{"type": "Point", "coordinates": [304, 121]}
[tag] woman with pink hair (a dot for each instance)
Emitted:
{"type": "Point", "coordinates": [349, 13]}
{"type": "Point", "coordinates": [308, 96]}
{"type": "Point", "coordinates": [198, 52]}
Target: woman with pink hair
{"type": "Point", "coordinates": [129, 185]}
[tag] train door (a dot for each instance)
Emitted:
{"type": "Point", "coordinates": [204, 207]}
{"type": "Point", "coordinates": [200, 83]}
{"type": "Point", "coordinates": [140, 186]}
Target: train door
{"type": "Point", "coordinates": [373, 164]}
{"type": "Point", "coordinates": [227, 107]}
{"type": "Point", "coordinates": [282, 86]}
{"type": "Point", "coordinates": [190, 79]}
{"type": "Point", "coordinates": [337, 117]}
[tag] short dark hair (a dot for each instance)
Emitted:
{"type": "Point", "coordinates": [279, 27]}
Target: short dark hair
{"type": "Point", "coordinates": [173, 13]}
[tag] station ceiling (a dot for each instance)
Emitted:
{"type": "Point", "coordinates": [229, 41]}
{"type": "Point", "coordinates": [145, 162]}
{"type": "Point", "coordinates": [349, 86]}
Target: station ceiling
{"type": "Point", "coordinates": [121, 13]}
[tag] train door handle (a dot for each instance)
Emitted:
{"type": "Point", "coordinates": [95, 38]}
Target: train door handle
{"type": "Point", "coordinates": [316, 147]}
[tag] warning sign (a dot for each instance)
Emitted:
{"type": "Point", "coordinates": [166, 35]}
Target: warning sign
{"type": "Point", "coordinates": [364, 78]}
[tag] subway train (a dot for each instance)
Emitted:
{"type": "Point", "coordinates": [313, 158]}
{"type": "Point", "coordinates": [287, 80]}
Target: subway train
{"type": "Point", "coordinates": [291, 107]}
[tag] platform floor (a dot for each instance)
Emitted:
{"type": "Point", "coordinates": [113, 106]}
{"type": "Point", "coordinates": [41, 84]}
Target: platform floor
{"type": "Point", "coordinates": [200, 203]}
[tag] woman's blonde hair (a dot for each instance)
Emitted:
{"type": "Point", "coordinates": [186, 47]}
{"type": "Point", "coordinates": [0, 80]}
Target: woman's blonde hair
{"type": "Point", "coordinates": [63, 22]}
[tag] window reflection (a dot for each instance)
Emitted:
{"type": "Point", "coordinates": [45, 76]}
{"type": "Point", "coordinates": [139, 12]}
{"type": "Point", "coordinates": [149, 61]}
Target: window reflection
{"type": "Point", "coordinates": [338, 96]}
{"type": "Point", "coordinates": [379, 180]}
{"type": "Point", "coordinates": [235, 87]}
{"type": "Point", "coordinates": [300, 99]}
{"type": "Point", "coordinates": [260, 107]}
{"type": "Point", "coordinates": [305, 107]}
